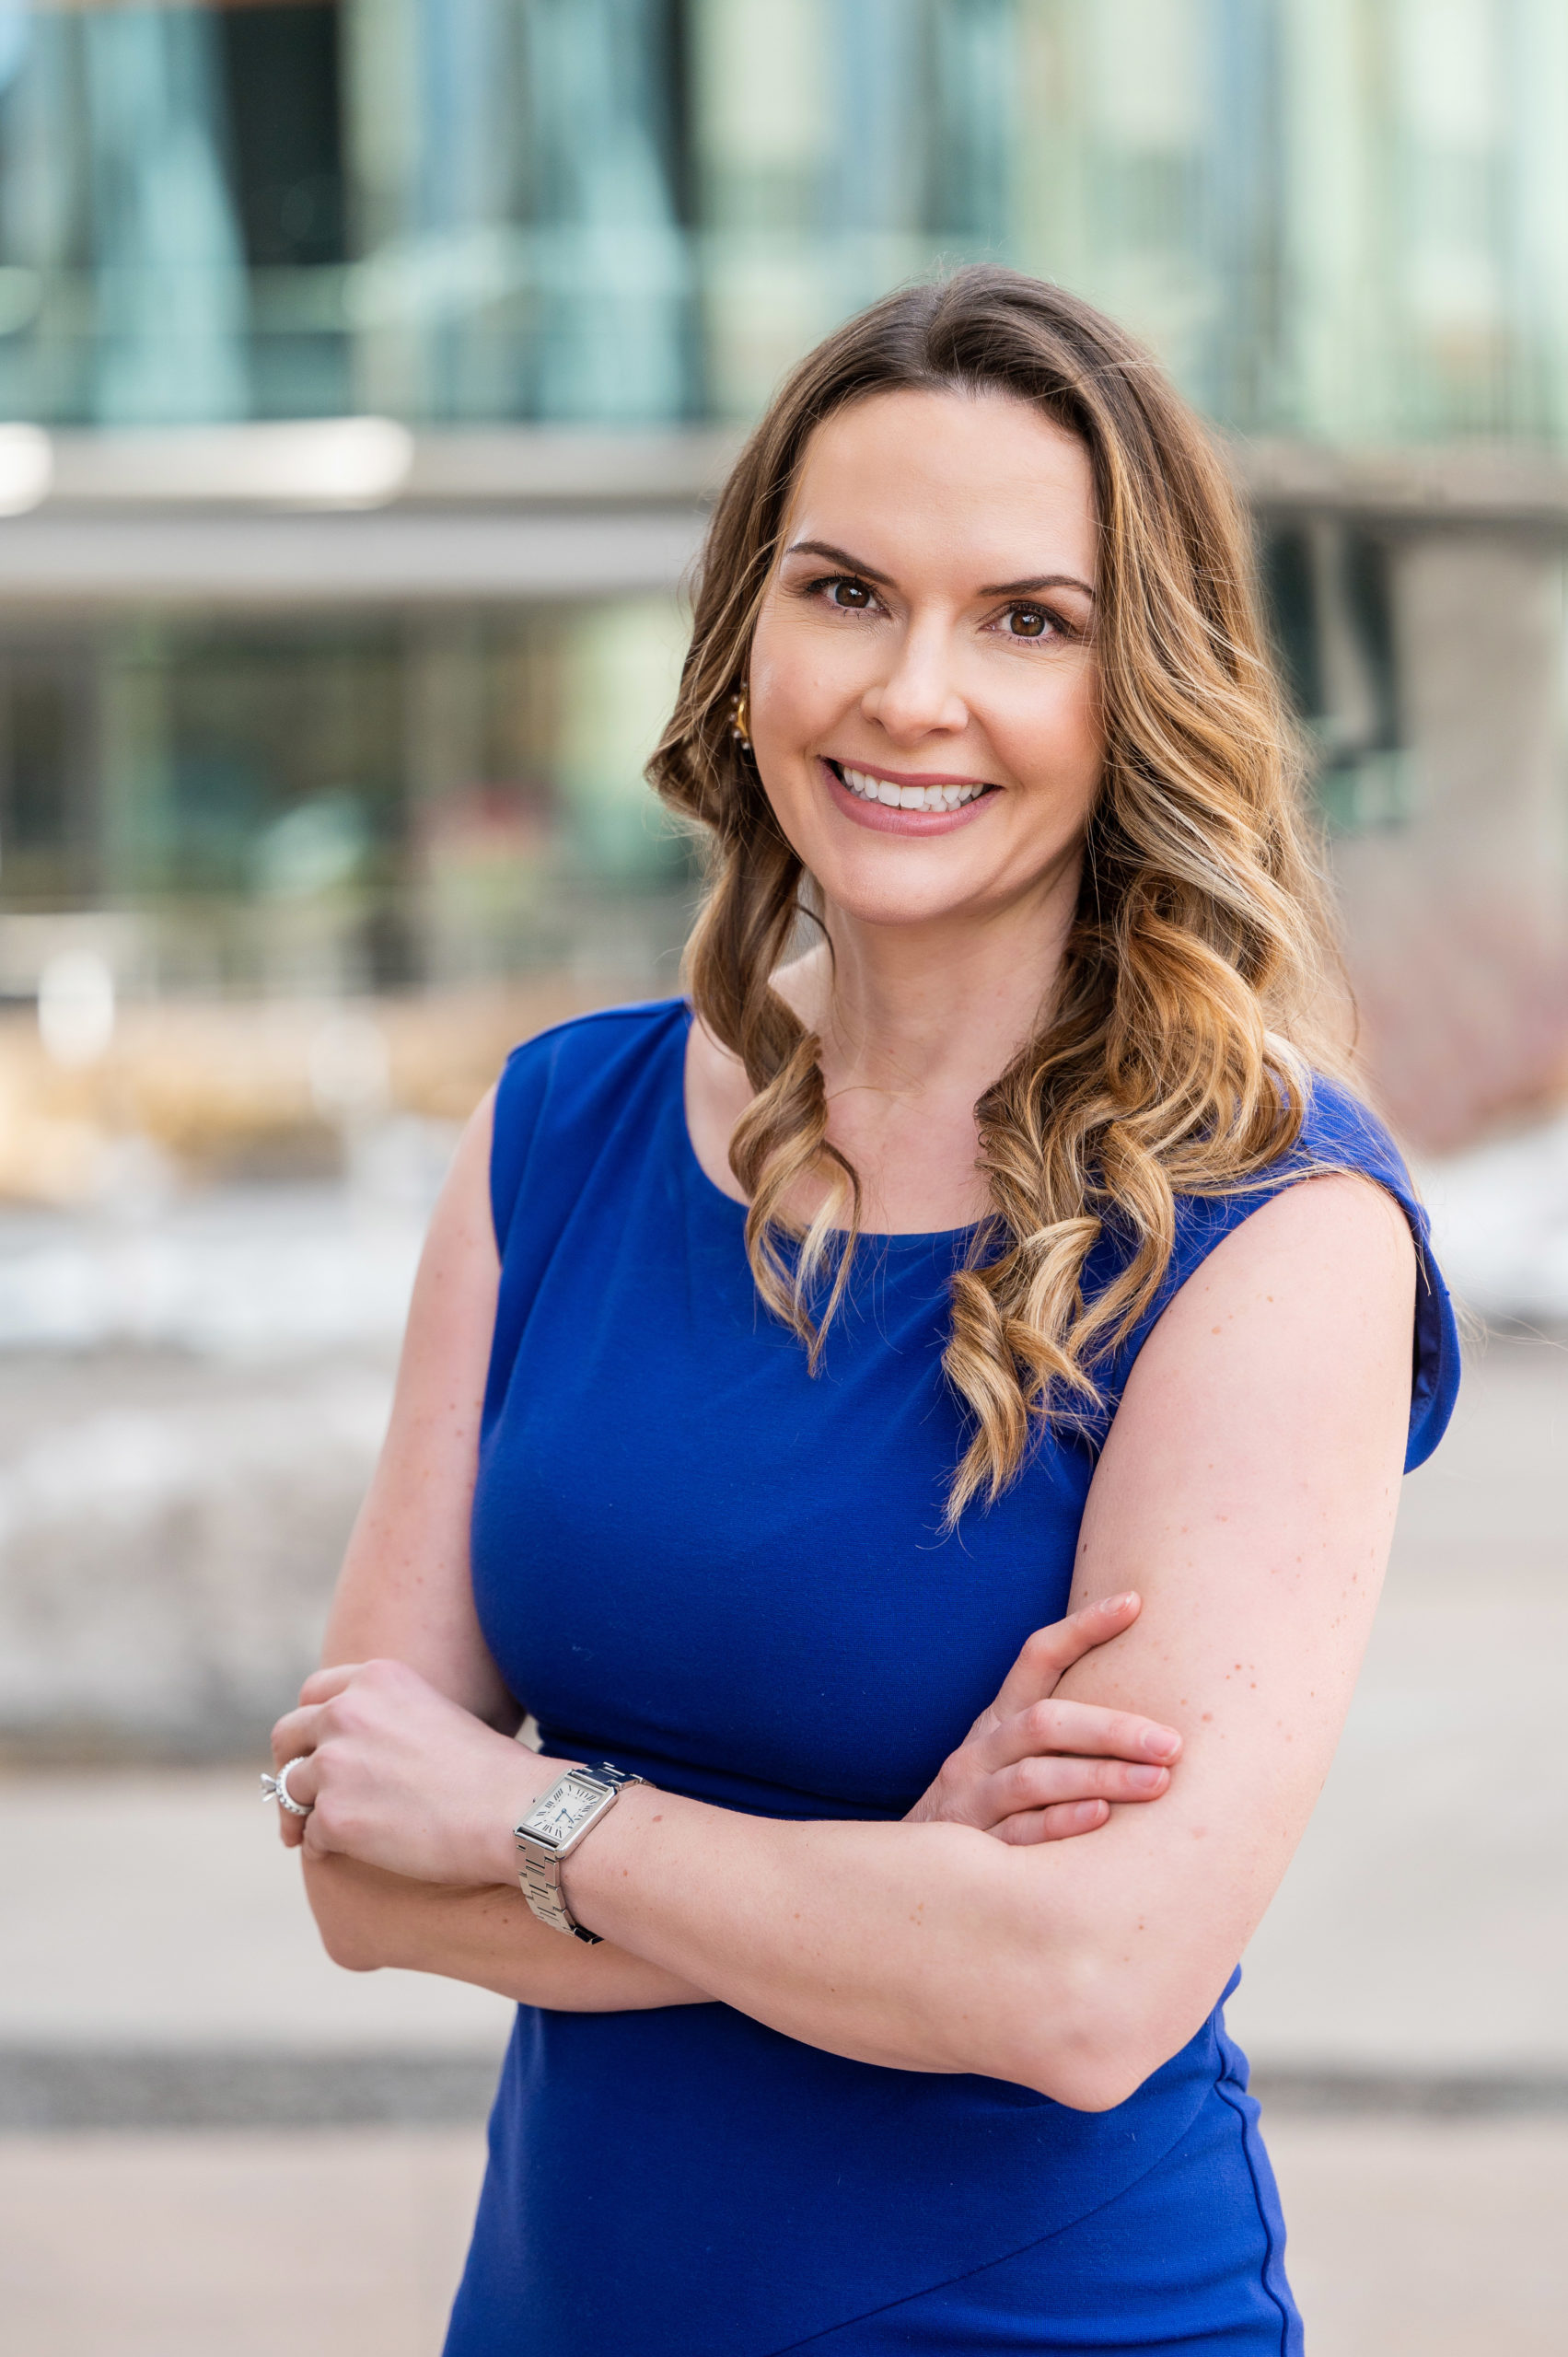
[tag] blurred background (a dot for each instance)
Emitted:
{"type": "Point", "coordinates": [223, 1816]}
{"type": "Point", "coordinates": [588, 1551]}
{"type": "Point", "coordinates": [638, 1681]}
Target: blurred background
{"type": "Point", "coordinates": [366, 368]}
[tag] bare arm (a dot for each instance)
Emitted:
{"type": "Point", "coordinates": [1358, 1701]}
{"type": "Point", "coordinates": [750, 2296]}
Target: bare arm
{"type": "Point", "coordinates": [405, 1594]}
{"type": "Point", "coordinates": [1248, 1486]}
{"type": "Point", "coordinates": [481, 1933]}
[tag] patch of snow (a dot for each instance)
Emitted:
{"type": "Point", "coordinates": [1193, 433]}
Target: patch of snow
{"type": "Point", "coordinates": [236, 1274]}
{"type": "Point", "coordinates": [1500, 1223]}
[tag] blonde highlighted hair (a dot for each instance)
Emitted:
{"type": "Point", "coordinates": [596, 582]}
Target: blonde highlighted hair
{"type": "Point", "coordinates": [1173, 1060]}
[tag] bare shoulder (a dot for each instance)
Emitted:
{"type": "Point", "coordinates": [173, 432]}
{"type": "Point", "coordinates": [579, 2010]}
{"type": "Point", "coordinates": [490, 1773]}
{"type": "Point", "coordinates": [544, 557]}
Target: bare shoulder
{"type": "Point", "coordinates": [1286, 1356]}
{"type": "Point", "coordinates": [452, 1314]}
{"type": "Point", "coordinates": [1306, 1226]}
{"type": "Point", "coordinates": [460, 1243]}
{"type": "Point", "coordinates": [1324, 1269]}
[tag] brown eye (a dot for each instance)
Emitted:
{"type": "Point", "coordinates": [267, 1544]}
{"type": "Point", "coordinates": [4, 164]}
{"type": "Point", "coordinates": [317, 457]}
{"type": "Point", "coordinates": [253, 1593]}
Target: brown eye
{"type": "Point", "coordinates": [852, 594]}
{"type": "Point", "coordinates": [1029, 621]}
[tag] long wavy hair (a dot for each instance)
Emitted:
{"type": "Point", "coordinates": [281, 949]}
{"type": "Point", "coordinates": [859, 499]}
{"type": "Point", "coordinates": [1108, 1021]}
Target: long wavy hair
{"type": "Point", "coordinates": [1173, 1059]}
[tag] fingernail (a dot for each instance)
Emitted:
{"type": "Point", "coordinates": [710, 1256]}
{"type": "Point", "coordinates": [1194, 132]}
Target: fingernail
{"type": "Point", "coordinates": [1119, 1603]}
{"type": "Point", "coordinates": [1144, 1780]}
{"type": "Point", "coordinates": [1161, 1744]}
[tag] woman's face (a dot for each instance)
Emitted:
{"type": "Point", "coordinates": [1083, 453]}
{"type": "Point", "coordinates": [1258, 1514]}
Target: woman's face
{"type": "Point", "coordinates": [922, 686]}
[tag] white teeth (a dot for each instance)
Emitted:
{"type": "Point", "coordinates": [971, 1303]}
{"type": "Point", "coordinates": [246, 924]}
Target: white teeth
{"type": "Point", "coordinates": [907, 797]}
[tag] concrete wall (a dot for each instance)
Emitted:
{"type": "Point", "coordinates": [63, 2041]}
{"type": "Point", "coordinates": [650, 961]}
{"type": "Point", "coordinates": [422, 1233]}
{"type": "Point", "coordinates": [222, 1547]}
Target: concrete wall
{"type": "Point", "coordinates": [1457, 917]}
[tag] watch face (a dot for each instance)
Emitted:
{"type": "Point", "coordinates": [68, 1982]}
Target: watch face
{"type": "Point", "coordinates": [562, 1810]}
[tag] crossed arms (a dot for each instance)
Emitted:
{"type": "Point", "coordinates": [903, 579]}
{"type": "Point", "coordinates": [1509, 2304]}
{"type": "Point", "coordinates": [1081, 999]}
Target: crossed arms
{"type": "Point", "coordinates": [1247, 1493]}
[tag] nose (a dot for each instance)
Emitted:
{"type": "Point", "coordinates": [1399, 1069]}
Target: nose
{"type": "Point", "coordinates": [916, 697]}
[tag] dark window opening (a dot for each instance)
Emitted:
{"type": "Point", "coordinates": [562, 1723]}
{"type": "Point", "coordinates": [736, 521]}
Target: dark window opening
{"type": "Point", "coordinates": [44, 818]}
{"type": "Point", "coordinates": [1329, 588]}
{"type": "Point", "coordinates": [282, 72]}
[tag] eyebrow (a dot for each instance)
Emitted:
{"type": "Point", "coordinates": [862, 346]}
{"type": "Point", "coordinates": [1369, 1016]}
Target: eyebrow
{"type": "Point", "coordinates": [993, 589]}
{"type": "Point", "coordinates": [839, 556]}
{"type": "Point", "coordinates": [1038, 581]}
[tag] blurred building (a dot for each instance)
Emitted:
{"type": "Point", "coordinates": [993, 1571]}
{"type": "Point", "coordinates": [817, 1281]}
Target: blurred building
{"type": "Point", "coordinates": [367, 363]}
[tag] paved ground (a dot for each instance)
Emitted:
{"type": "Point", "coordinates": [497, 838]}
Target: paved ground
{"type": "Point", "coordinates": [1431, 2241]}
{"type": "Point", "coordinates": [1423, 1930]}
{"type": "Point", "coordinates": [1442, 2240]}
{"type": "Point", "coordinates": [322, 2244]}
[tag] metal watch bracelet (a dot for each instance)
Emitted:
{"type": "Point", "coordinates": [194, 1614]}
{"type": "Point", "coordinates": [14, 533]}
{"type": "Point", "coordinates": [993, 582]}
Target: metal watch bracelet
{"type": "Point", "coordinates": [558, 1821]}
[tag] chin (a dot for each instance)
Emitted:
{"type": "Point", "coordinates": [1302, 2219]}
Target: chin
{"type": "Point", "coordinates": [874, 892]}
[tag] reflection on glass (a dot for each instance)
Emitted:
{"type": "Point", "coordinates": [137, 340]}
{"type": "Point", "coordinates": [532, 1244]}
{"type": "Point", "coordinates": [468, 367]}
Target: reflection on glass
{"type": "Point", "coordinates": [345, 802]}
{"type": "Point", "coordinates": [1346, 223]}
{"type": "Point", "coordinates": [167, 261]}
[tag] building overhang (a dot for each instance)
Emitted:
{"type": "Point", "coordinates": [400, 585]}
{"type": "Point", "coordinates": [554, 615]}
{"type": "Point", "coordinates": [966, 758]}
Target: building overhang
{"type": "Point", "coordinates": [1479, 483]}
{"type": "Point", "coordinates": [399, 557]}
{"type": "Point", "coordinates": [362, 512]}
{"type": "Point", "coordinates": [350, 511]}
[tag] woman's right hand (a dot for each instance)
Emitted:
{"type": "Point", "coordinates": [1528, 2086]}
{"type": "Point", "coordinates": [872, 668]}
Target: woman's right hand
{"type": "Point", "coordinates": [1032, 1769]}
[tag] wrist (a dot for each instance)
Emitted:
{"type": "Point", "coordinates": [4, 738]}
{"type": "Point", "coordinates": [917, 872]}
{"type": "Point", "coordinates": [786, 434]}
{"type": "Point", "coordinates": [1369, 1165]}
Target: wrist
{"type": "Point", "coordinates": [602, 1872]}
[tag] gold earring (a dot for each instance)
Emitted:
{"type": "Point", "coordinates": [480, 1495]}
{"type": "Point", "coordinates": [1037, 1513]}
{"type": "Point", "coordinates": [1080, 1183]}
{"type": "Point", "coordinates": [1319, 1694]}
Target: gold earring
{"type": "Point", "coordinates": [741, 718]}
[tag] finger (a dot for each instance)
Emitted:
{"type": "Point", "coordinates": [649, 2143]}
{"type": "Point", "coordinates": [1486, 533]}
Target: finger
{"type": "Point", "coordinates": [322, 1684]}
{"type": "Point", "coordinates": [1050, 1652]}
{"type": "Point", "coordinates": [1059, 1823]}
{"type": "Point", "coordinates": [295, 1734]}
{"type": "Point", "coordinates": [304, 1783]}
{"type": "Point", "coordinates": [1055, 1780]}
{"type": "Point", "coordinates": [1084, 1729]}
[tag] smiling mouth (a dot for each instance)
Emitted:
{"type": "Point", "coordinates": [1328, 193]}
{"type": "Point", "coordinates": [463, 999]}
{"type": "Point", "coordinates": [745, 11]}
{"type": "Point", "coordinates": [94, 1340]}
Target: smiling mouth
{"type": "Point", "coordinates": [867, 787]}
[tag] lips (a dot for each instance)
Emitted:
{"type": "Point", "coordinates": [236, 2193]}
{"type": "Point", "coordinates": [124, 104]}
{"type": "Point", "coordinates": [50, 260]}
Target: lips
{"type": "Point", "coordinates": [880, 803]}
{"type": "Point", "coordinates": [867, 785]}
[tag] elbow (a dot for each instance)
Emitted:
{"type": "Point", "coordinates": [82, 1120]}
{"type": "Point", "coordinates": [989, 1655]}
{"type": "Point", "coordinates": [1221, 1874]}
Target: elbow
{"type": "Point", "coordinates": [348, 1948]}
{"type": "Point", "coordinates": [1081, 2071]}
{"type": "Point", "coordinates": [1095, 2051]}
{"type": "Point", "coordinates": [345, 1933]}
{"type": "Point", "coordinates": [1091, 2080]}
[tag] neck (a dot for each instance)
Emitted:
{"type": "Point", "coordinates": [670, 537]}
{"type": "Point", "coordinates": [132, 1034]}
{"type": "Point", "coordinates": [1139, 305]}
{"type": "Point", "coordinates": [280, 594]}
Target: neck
{"type": "Point", "coordinates": [927, 1010]}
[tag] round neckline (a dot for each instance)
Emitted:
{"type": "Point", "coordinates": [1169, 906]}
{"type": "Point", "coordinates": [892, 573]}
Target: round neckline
{"type": "Point", "coordinates": [882, 1238]}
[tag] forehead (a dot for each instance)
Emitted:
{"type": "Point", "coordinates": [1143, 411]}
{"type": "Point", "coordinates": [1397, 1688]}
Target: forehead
{"type": "Point", "coordinates": [977, 482]}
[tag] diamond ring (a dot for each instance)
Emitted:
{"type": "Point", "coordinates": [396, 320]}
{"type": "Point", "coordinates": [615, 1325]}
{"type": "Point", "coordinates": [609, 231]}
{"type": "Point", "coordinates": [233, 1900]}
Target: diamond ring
{"type": "Point", "coordinates": [276, 1788]}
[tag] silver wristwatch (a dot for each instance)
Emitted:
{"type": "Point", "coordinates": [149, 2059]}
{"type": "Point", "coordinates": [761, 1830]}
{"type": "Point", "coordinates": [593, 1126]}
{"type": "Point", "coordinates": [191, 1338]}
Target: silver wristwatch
{"type": "Point", "coordinates": [552, 1830]}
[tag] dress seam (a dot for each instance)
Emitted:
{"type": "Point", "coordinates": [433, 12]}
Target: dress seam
{"type": "Point", "coordinates": [928, 2291]}
{"type": "Point", "coordinates": [1271, 2250]}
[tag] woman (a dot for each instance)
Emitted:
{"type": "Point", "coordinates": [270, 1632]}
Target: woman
{"type": "Point", "coordinates": [999, 1248]}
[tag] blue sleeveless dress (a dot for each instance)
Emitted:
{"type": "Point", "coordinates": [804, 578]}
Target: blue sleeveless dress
{"type": "Point", "coordinates": [692, 1559]}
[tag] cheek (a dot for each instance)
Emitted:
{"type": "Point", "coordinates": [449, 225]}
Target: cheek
{"type": "Point", "coordinates": [783, 719]}
{"type": "Point", "coordinates": [1057, 740]}
{"type": "Point", "coordinates": [802, 678]}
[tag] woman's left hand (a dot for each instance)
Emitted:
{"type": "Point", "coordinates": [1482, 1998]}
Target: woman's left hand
{"type": "Point", "coordinates": [1032, 1769]}
{"type": "Point", "coordinates": [399, 1776]}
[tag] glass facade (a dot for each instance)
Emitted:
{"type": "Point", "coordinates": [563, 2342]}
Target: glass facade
{"type": "Point", "coordinates": [1341, 222]}
{"type": "Point", "coordinates": [1346, 219]}
{"type": "Point", "coordinates": [342, 802]}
